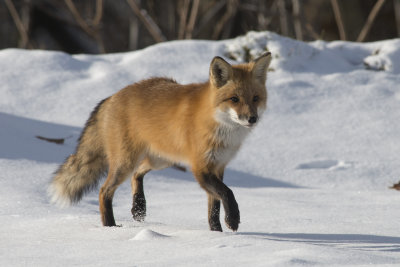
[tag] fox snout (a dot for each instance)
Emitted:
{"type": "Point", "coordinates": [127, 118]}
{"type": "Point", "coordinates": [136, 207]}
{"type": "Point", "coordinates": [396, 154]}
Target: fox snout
{"type": "Point", "coordinates": [248, 120]}
{"type": "Point", "coordinates": [253, 119]}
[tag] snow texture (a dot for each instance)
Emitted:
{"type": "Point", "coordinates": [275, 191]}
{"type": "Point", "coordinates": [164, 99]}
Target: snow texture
{"type": "Point", "coordinates": [311, 180]}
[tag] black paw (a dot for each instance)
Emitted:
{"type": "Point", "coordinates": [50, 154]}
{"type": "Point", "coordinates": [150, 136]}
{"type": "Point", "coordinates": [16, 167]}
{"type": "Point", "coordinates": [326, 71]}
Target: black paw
{"type": "Point", "coordinates": [108, 221]}
{"type": "Point", "coordinates": [139, 207]}
{"type": "Point", "coordinates": [232, 221]}
{"type": "Point", "coordinates": [215, 226]}
{"type": "Point", "coordinates": [232, 214]}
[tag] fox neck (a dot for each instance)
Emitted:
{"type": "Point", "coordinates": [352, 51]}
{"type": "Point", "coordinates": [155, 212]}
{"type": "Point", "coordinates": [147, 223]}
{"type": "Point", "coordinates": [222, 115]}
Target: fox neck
{"type": "Point", "coordinates": [227, 140]}
{"type": "Point", "coordinates": [231, 135]}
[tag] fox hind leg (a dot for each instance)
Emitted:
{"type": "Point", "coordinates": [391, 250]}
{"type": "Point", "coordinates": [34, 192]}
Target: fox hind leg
{"type": "Point", "coordinates": [119, 170]}
{"type": "Point", "coordinates": [139, 201]}
{"type": "Point", "coordinates": [114, 179]}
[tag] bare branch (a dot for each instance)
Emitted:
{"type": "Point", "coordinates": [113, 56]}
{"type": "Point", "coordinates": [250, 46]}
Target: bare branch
{"type": "Point", "coordinates": [339, 19]}
{"type": "Point", "coordinates": [283, 17]}
{"type": "Point", "coordinates": [395, 186]}
{"type": "Point", "coordinates": [147, 21]}
{"type": "Point", "coordinates": [18, 23]}
{"type": "Point", "coordinates": [192, 19]}
{"type": "Point", "coordinates": [81, 22]}
{"type": "Point", "coordinates": [99, 13]}
{"type": "Point", "coordinates": [311, 31]}
{"type": "Point", "coordinates": [134, 31]}
{"type": "Point", "coordinates": [396, 4]}
{"type": "Point", "coordinates": [183, 17]}
{"type": "Point", "coordinates": [265, 20]}
{"type": "Point", "coordinates": [297, 19]}
{"type": "Point", "coordinates": [260, 10]}
{"type": "Point", "coordinates": [208, 16]}
{"type": "Point", "coordinates": [58, 141]}
{"type": "Point", "coordinates": [232, 6]}
{"type": "Point", "coordinates": [94, 33]}
{"type": "Point", "coordinates": [370, 20]}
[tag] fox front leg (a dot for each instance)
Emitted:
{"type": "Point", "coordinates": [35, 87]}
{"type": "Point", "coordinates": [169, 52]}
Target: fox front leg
{"type": "Point", "coordinates": [213, 213]}
{"type": "Point", "coordinates": [218, 190]}
{"type": "Point", "coordinates": [232, 214]}
{"type": "Point", "coordinates": [214, 205]}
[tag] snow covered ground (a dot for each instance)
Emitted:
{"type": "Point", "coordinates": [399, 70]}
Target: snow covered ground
{"type": "Point", "coordinates": [312, 180]}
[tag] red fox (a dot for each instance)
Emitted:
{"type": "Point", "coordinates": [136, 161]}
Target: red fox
{"type": "Point", "coordinates": [156, 123]}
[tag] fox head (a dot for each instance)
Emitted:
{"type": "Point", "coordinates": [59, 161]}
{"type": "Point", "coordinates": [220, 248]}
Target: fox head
{"type": "Point", "coordinates": [240, 92]}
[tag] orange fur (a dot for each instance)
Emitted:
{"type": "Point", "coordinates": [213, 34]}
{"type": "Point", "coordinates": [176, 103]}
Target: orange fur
{"type": "Point", "coordinates": [156, 123]}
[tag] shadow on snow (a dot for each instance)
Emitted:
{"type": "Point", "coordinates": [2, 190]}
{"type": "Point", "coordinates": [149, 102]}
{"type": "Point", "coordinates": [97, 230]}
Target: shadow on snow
{"type": "Point", "coordinates": [354, 241]}
{"type": "Point", "coordinates": [232, 178]}
{"type": "Point", "coordinates": [18, 141]}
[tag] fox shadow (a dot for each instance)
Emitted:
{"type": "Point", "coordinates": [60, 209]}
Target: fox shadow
{"type": "Point", "coordinates": [232, 178]}
{"type": "Point", "coordinates": [354, 241]}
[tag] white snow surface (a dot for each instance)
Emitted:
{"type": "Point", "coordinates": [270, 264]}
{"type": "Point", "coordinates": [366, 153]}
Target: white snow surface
{"type": "Point", "coordinates": [312, 180]}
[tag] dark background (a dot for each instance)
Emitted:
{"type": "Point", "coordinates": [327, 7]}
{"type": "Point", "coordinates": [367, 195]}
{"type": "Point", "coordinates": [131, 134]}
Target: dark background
{"type": "Point", "coordinates": [105, 26]}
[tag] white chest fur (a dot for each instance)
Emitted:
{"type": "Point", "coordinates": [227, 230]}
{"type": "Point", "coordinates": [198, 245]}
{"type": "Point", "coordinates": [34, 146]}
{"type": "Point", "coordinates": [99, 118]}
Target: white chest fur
{"type": "Point", "coordinates": [230, 139]}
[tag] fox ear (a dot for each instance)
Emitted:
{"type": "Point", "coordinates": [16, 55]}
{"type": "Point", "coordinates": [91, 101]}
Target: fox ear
{"type": "Point", "coordinates": [260, 67]}
{"type": "Point", "coordinates": [220, 72]}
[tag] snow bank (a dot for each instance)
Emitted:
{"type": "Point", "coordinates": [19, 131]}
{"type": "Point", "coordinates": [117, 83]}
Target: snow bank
{"type": "Point", "coordinates": [311, 180]}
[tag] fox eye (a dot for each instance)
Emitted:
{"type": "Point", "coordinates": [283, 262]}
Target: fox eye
{"type": "Point", "coordinates": [234, 99]}
{"type": "Point", "coordinates": [256, 98]}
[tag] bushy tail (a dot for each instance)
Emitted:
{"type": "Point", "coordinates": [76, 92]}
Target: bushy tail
{"type": "Point", "coordinates": [81, 171]}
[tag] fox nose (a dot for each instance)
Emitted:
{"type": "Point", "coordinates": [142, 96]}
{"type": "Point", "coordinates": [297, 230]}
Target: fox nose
{"type": "Point", "coordinates": [253, 119]}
